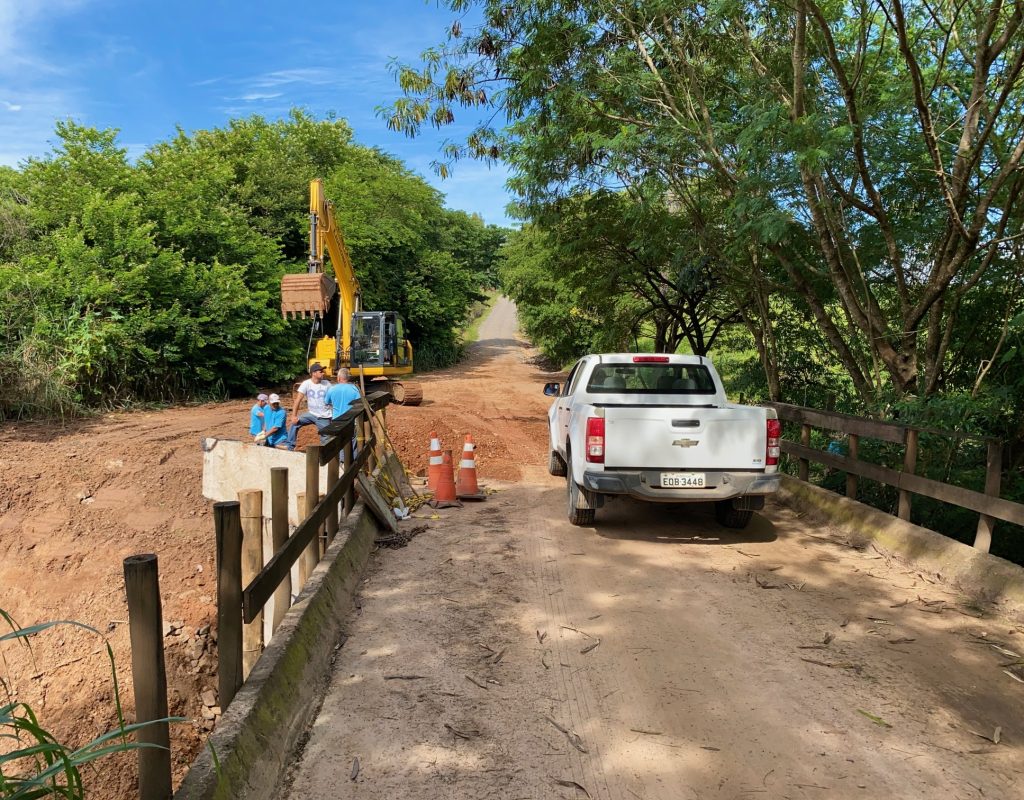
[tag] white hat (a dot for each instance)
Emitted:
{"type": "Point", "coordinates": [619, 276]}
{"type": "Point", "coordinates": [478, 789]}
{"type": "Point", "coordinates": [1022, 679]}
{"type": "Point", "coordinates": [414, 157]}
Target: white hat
{"type": "Point", "coordinates": [261, 396]}
{"type": "Point", "coordinates": [275, 399]}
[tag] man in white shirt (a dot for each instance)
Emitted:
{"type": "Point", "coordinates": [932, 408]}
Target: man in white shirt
{"type": "Point", "coordinates": [314, 392]}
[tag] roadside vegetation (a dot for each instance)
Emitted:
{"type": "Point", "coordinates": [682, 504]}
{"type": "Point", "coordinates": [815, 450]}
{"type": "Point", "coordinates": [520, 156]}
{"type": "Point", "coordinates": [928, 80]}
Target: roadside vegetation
{"type": "Point", "coordinates": [825, 198]}
{"type": "Point", "coordinates": [156, 280]}
{"type": "Point", "coordinates": [33, 762]}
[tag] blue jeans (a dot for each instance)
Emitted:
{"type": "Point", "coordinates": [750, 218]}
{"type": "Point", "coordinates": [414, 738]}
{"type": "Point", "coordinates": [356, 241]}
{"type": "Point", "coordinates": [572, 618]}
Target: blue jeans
{"type": "Point", "coordinates": [305, 418]}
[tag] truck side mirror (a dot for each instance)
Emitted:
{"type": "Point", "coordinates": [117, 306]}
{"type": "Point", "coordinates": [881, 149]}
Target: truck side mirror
{"type": "Point", "coordinates": [551, 389]}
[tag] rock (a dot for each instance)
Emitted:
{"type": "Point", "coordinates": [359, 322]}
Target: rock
{"type": "Point", "coordinates": [209, 698]}
{"type": "Point", "coordinates": [208, 714]}
{"type": "Point", "coordinates": [203, 631]}
{"type": "Point", "coordinates": [216, 711]}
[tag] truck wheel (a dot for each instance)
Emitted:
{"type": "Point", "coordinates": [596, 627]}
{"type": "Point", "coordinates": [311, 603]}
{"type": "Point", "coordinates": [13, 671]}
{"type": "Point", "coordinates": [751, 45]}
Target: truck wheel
{"type": "Point", "coordinates": [556, 466]}
{"type": "Point", "coordinates": [730, 517]}
{"type": "Point", "coordinates": [577, 516]}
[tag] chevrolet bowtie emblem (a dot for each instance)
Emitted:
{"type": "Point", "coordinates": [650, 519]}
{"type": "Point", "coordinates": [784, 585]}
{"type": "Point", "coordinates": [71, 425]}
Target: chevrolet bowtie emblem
{"type": "Point", "coordinates": [685, 442]}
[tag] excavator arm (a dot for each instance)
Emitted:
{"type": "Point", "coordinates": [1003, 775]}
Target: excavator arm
{"type": "Point", "coordinates": [324, 233]}
{"type": "Point", "coordinates": [312, 293]}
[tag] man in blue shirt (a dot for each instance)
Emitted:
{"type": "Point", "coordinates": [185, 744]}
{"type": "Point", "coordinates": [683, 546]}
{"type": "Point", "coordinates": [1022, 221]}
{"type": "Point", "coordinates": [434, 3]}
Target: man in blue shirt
{"type": "Point", "coordinates": [342, 395]}
{"type": "Point", "coordinates": [277, 419]}
{"type": "Point", "coordinates": [256, 416]}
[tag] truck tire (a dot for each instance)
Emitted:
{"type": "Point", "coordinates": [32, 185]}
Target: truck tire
{"type": "Point", "coordinates": [729, 517]}
{"type": "Point", "coordinates": [556, 466]}
{"type": "Point", "coordinates": [577, 516]}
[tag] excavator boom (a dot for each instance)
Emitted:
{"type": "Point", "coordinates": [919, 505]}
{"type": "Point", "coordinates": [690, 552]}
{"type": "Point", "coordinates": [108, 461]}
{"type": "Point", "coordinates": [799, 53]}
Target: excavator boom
{"type": "Point", "coordinates": [379, 350]}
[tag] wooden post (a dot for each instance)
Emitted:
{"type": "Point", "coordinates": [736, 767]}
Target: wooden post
{"type": "Point", "coordinates": [851, 479]}
{"type": "Point", "coordinates": [909, 465]}
{"type": "Point", "coordinates": [346, 459]}
{"type": "Point", "coordinates": [805, 440]}
{"type": "Point", "coordinates": [251, 502]}
{"type": "Point", "coordinates": [309, 557]}
{"type": "Point", "coordinates": [228, 522]}
{"type": "Point", "coordinates": [279, 535]}
{"type": "Point", "coordinates": [332, 518]}
{"type": "Point", "coordinates": [149, 678]}
{"type": "Point", "coordinates": [371, 462]}
{"type": "Point", "coordinates": [993, 476]}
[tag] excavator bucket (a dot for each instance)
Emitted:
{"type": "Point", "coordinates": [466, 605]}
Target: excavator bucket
{"type": "Point", "coordinates": [306, 293]}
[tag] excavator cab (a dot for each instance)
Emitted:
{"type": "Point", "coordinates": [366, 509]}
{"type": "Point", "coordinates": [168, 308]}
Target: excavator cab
{"type": "Point", "coordinates": [378, 340]}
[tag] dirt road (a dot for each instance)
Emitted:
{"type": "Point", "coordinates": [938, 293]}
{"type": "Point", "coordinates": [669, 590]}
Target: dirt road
{"type": "Point", "coordinates": [507, 654]}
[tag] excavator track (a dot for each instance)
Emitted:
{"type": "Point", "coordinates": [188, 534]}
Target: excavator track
{"type": "Point", "coordinates": [406, 393]}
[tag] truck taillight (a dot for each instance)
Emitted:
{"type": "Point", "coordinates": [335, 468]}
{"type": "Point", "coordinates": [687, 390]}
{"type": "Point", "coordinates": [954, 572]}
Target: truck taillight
{"type": "Point", "coordinates": [595, 440]}
{"type": "Point", "coordinates": [773, 447]}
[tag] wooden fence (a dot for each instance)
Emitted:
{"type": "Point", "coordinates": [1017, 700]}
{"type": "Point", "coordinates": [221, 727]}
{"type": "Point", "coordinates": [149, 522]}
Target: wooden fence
{"type": "Point", "coordinates": [241, 596]}
{"type": "Point", "coordinates": [989, 505]}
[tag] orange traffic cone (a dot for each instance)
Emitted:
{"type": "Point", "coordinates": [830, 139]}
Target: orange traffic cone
{"type": "Point", "coordinates": [467, 488]}
{"type": "Point", "coordinates": [433, 462]}
{"type": "Point", "coordinates": [444, 495]}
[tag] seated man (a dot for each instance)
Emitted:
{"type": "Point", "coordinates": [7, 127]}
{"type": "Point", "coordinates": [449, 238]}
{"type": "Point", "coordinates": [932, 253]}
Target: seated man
{"type": "Point", "coordinates": [277, 418]}
{"type": "Point", "coordinates": [314, 392]}
{"type": "Point", "coordinates": [342, 395]}
{"type": "Point", "coordinates": [257, 422]}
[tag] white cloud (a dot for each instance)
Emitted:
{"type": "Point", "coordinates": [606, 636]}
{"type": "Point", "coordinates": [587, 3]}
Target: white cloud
{"type": "Point", "coordinates": [36, 89]}
{"type": "Point", "coordinates": [17, 18]}
{"type": "Point", "coordinates": [253, 97]}
{"type": "Point", "coordinates": [317, 76]}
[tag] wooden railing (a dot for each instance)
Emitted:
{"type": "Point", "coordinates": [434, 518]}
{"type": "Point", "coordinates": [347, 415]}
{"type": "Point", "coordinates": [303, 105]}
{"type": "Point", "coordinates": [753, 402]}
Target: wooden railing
{"type": "Point", "coordinates": [241, 604]}
{"type": "Point", "coordinates": [240, 601]}
{"type": "Point", "coordinates": [989, 505]}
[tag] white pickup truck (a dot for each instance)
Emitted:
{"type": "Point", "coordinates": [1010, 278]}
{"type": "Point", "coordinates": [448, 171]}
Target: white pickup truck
{"type": "Point", "coordinates": [659, 428]}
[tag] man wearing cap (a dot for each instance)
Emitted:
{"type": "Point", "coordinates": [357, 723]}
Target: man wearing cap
{"type": "Point", "coordinates": [314, 392]}
{"type": "Point", "coordinates": [343, 394]}
{"type": "Point", "coordinates": [256, 418]}
{"type": "Point", "coordinates": [277, 423]}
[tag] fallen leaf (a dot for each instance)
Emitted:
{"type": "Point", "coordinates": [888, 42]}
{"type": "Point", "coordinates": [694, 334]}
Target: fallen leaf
{"type": "Point", "coordinates": [590, 647]}
{"type": "Point", "coordinates": [571, 785]}
{"type": "Point", "coordinates": [462, 734]}
{"type": "Point", "coordinates": [573, 738]}
{"type": "Point", "coordinates": [355, 769]}
{"type": "Point", "coordinates": [873, 718]}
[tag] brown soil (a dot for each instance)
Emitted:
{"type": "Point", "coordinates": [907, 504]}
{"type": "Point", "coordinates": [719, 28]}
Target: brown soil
{"type": "Point", "coordinates": [76, 499]}
{"type": "Point", "coordinates": [781, 661]}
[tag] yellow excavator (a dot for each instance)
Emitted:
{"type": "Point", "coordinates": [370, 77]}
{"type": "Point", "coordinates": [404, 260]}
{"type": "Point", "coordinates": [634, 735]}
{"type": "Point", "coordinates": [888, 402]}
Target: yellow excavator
{"type": "Point", "coordinates": [369, 343]}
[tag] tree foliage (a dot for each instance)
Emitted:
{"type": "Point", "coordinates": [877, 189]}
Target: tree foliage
{"type": "Point", "coordinates": [160, 279]}
{"type": "Point", "coordinates": [864, 157]}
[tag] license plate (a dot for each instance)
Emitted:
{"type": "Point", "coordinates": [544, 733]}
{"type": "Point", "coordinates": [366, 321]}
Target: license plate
{"type": "Point", "coordinates": [682, 480]}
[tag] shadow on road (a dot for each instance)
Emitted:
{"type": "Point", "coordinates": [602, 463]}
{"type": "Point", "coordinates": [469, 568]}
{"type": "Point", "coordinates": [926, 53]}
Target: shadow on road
{"type": "Point", "coordinates": [673, 523]}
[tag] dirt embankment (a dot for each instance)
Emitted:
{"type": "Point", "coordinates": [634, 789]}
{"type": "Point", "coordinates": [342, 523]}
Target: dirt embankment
{"type": "Point", "coordinates": [75, 500]}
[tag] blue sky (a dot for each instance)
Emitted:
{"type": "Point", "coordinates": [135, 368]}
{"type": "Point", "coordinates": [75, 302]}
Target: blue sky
{"type": "Point", "coordinates": [146, 67]}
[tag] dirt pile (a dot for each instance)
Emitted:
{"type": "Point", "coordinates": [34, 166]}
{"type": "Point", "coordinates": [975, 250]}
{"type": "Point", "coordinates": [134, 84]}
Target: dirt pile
{"type": "Point", "coordinates": [75, 500]}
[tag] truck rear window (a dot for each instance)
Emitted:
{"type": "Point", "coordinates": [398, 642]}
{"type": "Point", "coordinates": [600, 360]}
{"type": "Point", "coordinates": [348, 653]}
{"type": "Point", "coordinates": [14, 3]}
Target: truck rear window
{"type": "Point", "coordinates": [640, 379]}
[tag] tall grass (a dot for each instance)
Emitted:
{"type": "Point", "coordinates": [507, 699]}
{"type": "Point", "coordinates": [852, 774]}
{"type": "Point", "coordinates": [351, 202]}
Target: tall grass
{"type": "Point", "coordinates": [33, 762]}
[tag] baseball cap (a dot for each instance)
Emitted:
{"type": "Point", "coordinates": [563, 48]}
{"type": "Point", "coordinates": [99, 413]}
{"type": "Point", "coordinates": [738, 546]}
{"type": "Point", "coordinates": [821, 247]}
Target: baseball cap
{"type": "Point", "coordinates": [261, 396]}
{"type": "Point", "coordinates": [275, 398]}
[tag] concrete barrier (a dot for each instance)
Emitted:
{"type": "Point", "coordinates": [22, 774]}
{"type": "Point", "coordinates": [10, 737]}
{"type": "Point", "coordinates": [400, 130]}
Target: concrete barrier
{"type": "Point", "coordinates": [263, 726]}
{"type": "Point", "coordinates": [230, 466]}
{"type": "Point", "coordinates": [977, 574]}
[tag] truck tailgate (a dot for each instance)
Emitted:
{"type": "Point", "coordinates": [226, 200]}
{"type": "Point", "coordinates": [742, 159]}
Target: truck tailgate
{"type": "Point", "coordinates": [674, 438]}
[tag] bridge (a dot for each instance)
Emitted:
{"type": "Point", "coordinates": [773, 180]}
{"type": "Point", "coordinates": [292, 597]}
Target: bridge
{"type": "Point", "coordinates": [830, 650]}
